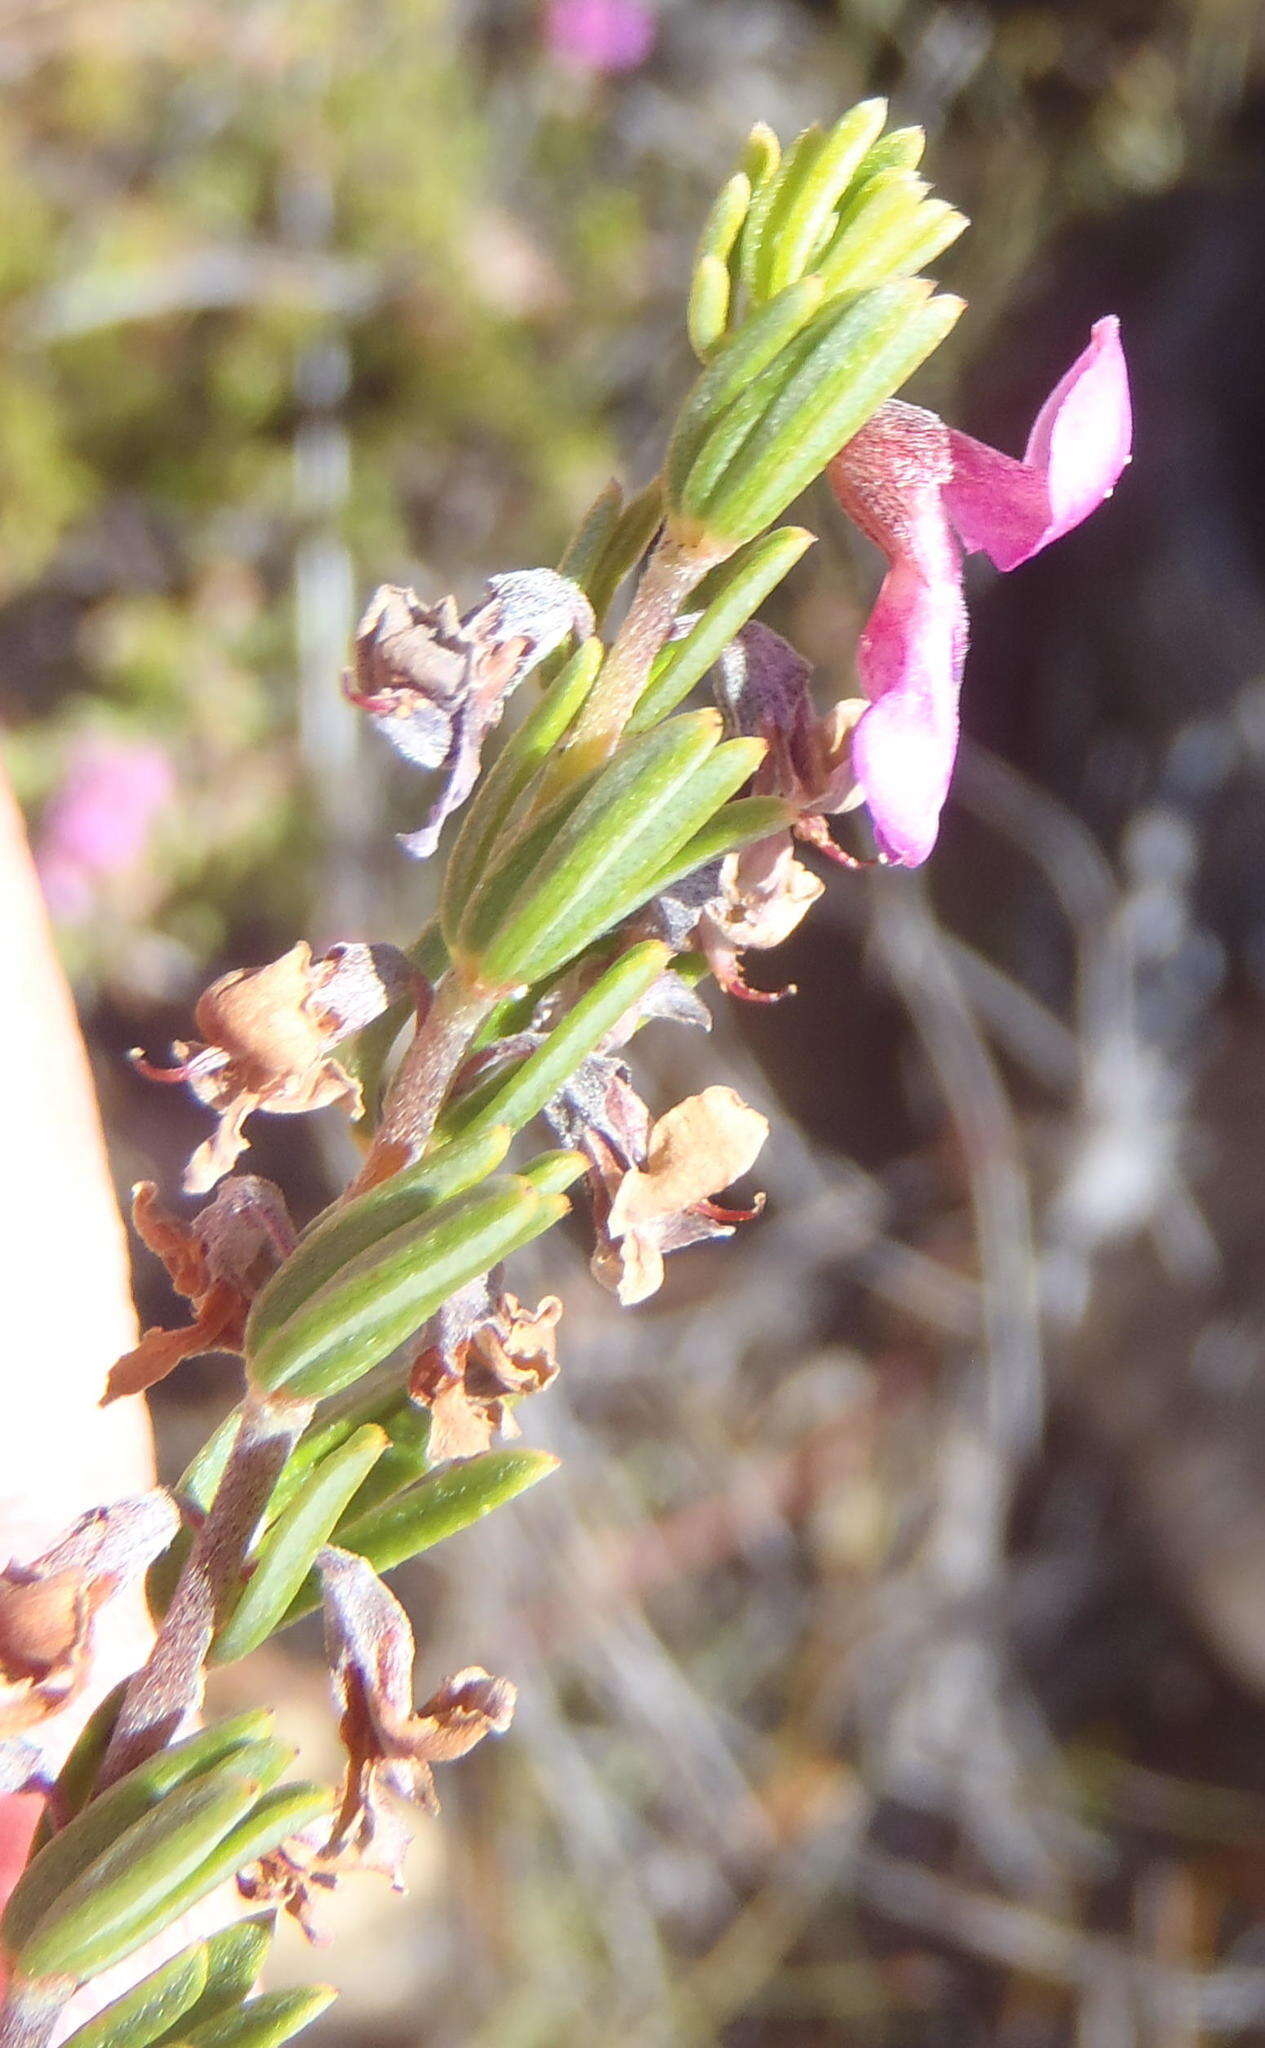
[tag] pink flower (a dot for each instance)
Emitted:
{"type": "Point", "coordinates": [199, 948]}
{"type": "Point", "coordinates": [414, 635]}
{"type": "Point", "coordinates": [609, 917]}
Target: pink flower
{"type": "Point", "coordinates": [98, 823]}
{"type": "Point", "coordinates": [925, 493]}
{"type": "Point", "coordinates": [599, 36]}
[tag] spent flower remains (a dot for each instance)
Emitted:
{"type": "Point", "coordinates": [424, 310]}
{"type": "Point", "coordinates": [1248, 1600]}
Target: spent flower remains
{"type": "Point", "coordinates": [619, 849]}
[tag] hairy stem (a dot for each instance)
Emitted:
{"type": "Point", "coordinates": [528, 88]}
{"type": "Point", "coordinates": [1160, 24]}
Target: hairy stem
{"type": "Point", "coordinates": [671, 574]}
{"type": "Point", "coordinates": [439, 1046]}
{"type": "Point", "coordinates": [170, 1684]}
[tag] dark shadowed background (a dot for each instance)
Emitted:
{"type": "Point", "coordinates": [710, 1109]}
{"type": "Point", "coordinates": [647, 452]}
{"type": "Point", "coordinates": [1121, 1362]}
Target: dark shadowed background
{"type": "Point", "coordinates": [892, 1641]}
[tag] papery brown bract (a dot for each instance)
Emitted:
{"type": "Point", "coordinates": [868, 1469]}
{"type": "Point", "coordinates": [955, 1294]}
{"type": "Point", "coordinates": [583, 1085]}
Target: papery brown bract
{"type": "Point", "coordinates": [219, 1261]}
{"type": "Point", "coordinates": [391, 1749]}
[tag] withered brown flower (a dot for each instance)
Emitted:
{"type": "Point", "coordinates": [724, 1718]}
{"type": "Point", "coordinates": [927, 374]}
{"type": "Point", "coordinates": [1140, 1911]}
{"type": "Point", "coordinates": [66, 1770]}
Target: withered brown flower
{"type": "Point", "coordinates": [435, 684]}
{"type": "Point", "coordinates": [487, 1352]}
{"type": "Point", "coordinates": [267, 1040]}
{"type": "Point", "coordinates": [219, 1261]}
{"type": "Point", "coordinates": [651, 1184]}
{"type": "Point", "coordinates": [48, 1608]}
{"type": "Point", "coordinates": [391, 1749]}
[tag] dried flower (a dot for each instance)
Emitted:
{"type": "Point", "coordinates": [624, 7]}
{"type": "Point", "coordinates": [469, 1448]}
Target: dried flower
{"type": "Point", "coordinates": [486, 1353]}
{"type": "Point", "coordinates": [48, 1608]}
{"type": "Point", "coordinates": [435, 684]}
{"type": "Point", "coordinates": [219, 1262]}
{"type": "Point", "coordinates": [390, 1748]}
{"type": "Point", "coordinates": [267, 1035]}
{"type": "Point", "coordinates": [651, 1183]}
{"type": "Point", "coordinates": [923, 493]}
{"type": "Point", "coordinates": [600, 36]}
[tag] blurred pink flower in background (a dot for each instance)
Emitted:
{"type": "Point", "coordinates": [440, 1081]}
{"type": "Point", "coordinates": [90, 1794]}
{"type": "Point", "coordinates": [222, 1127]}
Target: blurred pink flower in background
{"type": "Point", "coordinates": [599, 35]}
{"type": "Point", "coordinates": [98, 822]}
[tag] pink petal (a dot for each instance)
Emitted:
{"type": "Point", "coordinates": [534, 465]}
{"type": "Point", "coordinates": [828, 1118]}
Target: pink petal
{"type": "Point", "coordinates": [909, 660]}
{"type": "Point", "coordinates": [1076, 452]}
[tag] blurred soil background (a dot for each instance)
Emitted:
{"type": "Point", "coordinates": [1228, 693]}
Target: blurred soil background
{"type": "Point", "coordinates": [892, 1642]}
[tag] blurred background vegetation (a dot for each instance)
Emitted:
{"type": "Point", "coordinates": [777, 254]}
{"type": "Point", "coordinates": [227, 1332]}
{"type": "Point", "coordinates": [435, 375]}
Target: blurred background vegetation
{"type": "Point", "coordinates": [892, 1643]}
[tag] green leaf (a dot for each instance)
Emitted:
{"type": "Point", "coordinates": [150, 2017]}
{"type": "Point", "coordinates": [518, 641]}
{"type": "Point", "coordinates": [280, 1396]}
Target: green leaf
{"type": "Point", "coordinates": [511, 772]}
{"type": "Point", "coordinates": [627, 884]}
{"type": "Point", "coordinates": [798, 168]}
{"type": "Point", "coordinates": [552, 1173]}
{"type": "Point", "coordinates": [361, 1315]}
{"type": "Point", "coordinates": [49, 1874]}
{"type": "Point", "coordinates": [121, 1897]}
{"type": "Point", "coordinates": [265, 2022]}
{"type": "Point", "coordinates": [78, 1774]}
{"type": "Point", "coordinates": [638, 523]}
{"type": "Point", "coordinates": [590, 537]}
{"type": "Point", "coordinates": [515, 1101]}
{"type": "Point", "coordinates": [535, 897]}
{"type": "Point", "coordinates": [733, 594]}
{"type": "Point", "coordinates": [803, 209]}
{"type": "Point", "coordinates": [351, 1229]}
{"type": "Point", "coordinates": [879, 344]}
{"type": "Point", "coordinates": [755, 346]}
{"type": "Point", "coordinates": [234, 1957]}
{"type": "Point", "coordinates": [449, 1500]}
{"type": "Point", "coordinates": [887, 206]}
{"type": "Point", "coordinates": [707, 308]}
{"type": "Point", "coordinates": [285, 1811]}
{"type": "Point", "coordinates": [736, 824]}
{"type": "Point", "coordinates": [899, 150]}
{"type": "Point", "coordinates": [286, 1554]}
{"type": "Point", "coordinates": [143, 2014]}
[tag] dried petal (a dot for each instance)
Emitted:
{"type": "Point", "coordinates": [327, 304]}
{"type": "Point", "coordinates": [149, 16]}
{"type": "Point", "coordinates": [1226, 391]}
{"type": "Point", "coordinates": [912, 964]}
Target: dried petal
{"type": "Point", "coordinates": [219, 1261]}
{"type": "Point", "coordinates": [267, 1034]}
{"type": "Point", "coordinates": [701, 1145]}
{"type": "Point", "coordinates": [48, 1608]}
{"type": "Point", "coordinates": [469, 1377]}
{"type": "Point", "coordinates": [436, 684]}
{"type": "Point", "coordinates": [390, 1748]}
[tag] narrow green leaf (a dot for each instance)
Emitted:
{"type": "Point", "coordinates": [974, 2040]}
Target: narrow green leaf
{"type": "Point", "coordinates": [800, 216]}
{"type": "Point", "coordinates": [265, 2022]}
{"type": "Point", "coordinates": [736, 824]}
{"type": "Point", "coordinates": [884, 208]}
{"type": "Point", "coordinates": [628, 884]}
{"type": "Point", "coordinates": [512, 771]}
{"type": "Point", "coordinates": [754, 346]}
{"type": "Point", "coordinates": [725, 216]}
{"type": "Point", "coordinates": [899, 150]}
{"type": "Point", "coordinates": [707, 308]}
{"type": "Point", "coordinates": [348, 1231]}
{"type": "Point", "coordinates": [765, 165]}
{"type": "Point", "coordinates": [360, 1316]}
{"type": "Point", "coordinates": [403, 1462]}
{"type": "Point", "coordinates": [78, 1774]}
{"type": "Point", "coordinates": [638, 523]}
{"type": "Point", "coordinates": [234, 1957]}
{"type": "Point", "coordinates": [280, 1813]}
{"type": "Point", "coordinates": [523, 843]}
{"type": "Point", "coordinates": [143, 2014]}
{"type": "Point", "coordinates": [285, 1555]}
{"type": "Point", "coordinates": [552, 1173]}
{"type": "Point", "coordinates": [515, 1101]}
{"type": "Point", "coordinates": [590, 537]}
{"type": "Point", "coordinates": [909, 246]}
{"type": "Point", "coordinates": [108, 1816]}
{"type": "Point", "coordinates": [449, 1500]}
{"type": "Point", "coordinates": [630, 802]}
{"type": "Point", "coordinates": [884, 338]}
{"type": "Point", "coordinates": [120, 1898]}
{"type": "Point", "coordinates": [733, 594]}
{"type": "Point", "coordinates": [797, 169]}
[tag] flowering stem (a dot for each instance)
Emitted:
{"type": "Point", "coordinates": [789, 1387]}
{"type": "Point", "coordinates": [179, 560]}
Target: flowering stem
{"type": "Point", "coordinates": [439, 1046]}
{"type": "Point", "coordinates": [673, 571]}
{"type": "Point", "coordinates": [170, 1684]}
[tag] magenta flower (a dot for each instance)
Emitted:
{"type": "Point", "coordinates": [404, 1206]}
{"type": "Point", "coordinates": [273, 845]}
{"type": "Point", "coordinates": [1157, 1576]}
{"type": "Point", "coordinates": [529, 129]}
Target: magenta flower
{"type": "Point", "coordinates": [599, 36]}
{"type": "Point", "coordinates": [98, 823]}
{"type": "Point", "coordinates": [925, 493]}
